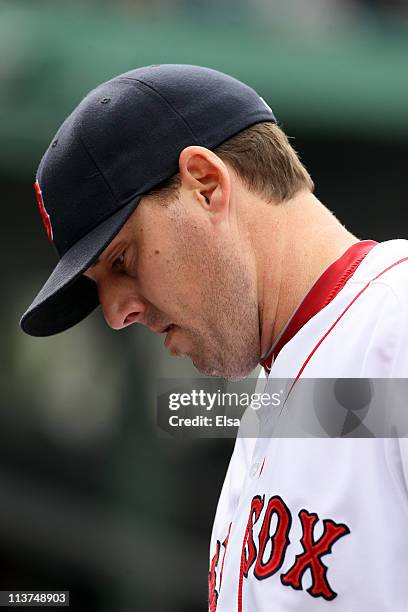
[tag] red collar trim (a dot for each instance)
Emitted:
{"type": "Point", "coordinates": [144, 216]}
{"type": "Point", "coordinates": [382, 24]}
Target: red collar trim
{"type": "Point", "coordinates": [323, 291]}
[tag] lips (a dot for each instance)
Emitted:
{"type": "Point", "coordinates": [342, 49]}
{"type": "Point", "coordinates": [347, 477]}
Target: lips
{"type": "Point", "coordinates": [161, 330]}
{"type": "Point", "coordinates": [167, 329]}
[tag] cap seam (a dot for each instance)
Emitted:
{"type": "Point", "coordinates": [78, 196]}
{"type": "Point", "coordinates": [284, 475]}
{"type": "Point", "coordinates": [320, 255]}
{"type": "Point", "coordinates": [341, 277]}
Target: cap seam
{"type": "Point", "coordinates": [87, 150]}
{"type": "Point", "coordinates": [179, 115]}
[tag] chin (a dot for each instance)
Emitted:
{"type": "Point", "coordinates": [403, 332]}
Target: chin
{"type": "Point", "coordinates": [228, 373]}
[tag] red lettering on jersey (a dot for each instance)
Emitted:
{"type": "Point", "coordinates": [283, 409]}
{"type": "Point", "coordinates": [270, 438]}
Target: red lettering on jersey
{"type": "Point", "coordinates": [212, 574]}
{"type": "Point", "coordinates": [249, 549]}
{"type": "Point", "coordinates": [311, 557]}
{"type": "Point", "coordinates": [212, 580]}
{"type": "Point", "coordinates": [248, 556]}
{"type": "Point", "coordinates": [44, 215]}
{"type": "Point", "coordinates": [280, 539]}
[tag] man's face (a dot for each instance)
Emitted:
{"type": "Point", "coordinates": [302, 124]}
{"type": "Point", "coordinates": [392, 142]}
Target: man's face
{"type": "Point", "coordinates": [176, 271]}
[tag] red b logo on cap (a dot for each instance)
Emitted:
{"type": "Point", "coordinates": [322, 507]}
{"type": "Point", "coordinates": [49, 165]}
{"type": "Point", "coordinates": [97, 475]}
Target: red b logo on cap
{"type": "Point", "coordinates": [44, 215]}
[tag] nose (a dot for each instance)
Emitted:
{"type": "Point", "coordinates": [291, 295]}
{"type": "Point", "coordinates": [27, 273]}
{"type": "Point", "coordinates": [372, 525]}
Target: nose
{"type": "Point", "coordinates": [121, 304]}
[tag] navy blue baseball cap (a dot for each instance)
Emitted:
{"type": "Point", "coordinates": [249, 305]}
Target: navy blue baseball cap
{"type": "Point", "coordinates": [121, 141]}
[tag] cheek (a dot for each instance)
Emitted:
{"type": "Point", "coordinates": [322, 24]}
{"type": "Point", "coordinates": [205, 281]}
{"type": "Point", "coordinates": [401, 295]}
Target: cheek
{"type": "Point", "coordinates": [170, 282]}
{"type": "Point", "coordinates": [174, 267]}
{"type": "Point", "coordinates": [157, 272]}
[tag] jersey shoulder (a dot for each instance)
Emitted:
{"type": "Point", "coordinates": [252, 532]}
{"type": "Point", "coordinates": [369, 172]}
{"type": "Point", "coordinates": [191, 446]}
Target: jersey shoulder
{"type": "Point", "coordinates": [363, 331]}
{"type": "Point", "coordinates": [386, 264]}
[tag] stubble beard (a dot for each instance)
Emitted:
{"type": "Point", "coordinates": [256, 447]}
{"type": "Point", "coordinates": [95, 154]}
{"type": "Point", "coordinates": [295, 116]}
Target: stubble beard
{"type": "Point", "coordinates": [229, 344]}
{"type": "Point", "coordinates": [226, 333]}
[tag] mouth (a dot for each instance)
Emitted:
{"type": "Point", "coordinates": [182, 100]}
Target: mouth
{"type": "Point", "coordinates": [169, 332]}
{"type": "Point", "coordinates": [167, 328]}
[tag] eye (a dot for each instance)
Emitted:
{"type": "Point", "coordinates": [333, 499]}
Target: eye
{"type": "Point", "coordinates": [119, 262]}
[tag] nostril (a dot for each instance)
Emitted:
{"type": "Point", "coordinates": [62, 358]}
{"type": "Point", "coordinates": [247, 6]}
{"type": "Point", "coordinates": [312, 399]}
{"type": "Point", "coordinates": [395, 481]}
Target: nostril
{"type": "Point", "coordinates": [131, 318]}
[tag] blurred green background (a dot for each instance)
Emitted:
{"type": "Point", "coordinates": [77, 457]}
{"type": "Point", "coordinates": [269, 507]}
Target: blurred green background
{"type": "Point", "coordinates": [91, 500]}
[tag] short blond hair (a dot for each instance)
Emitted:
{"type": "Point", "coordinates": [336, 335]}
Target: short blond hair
{"type": "Point", "coordinates": [262, 158]}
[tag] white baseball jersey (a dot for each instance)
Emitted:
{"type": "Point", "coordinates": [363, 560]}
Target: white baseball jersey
{"type": "Point", "coordinates": [322, 523]}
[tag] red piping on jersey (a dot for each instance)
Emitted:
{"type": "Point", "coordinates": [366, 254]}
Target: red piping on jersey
{"type": "Point", "coordinates": [396, 263]}
{"type": "Point", "coordinates": [327, 286]}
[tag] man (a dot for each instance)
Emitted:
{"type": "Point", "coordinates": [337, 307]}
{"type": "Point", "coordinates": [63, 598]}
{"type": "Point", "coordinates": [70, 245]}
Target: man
{"type": "Point", "coordinates": [174, 200]}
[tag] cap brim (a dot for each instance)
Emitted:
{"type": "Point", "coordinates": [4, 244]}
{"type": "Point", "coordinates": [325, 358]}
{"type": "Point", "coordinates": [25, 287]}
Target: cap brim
{"type": "Point", "coordinates": [68, 297]}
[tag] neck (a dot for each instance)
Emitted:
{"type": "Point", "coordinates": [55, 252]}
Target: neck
{"type": "Point", "coordinates": [295, 242]}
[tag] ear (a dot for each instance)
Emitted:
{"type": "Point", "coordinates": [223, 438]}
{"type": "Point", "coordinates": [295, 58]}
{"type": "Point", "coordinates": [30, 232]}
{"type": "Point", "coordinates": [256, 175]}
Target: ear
{"type": "Point", "coordinates": [206, 176]}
